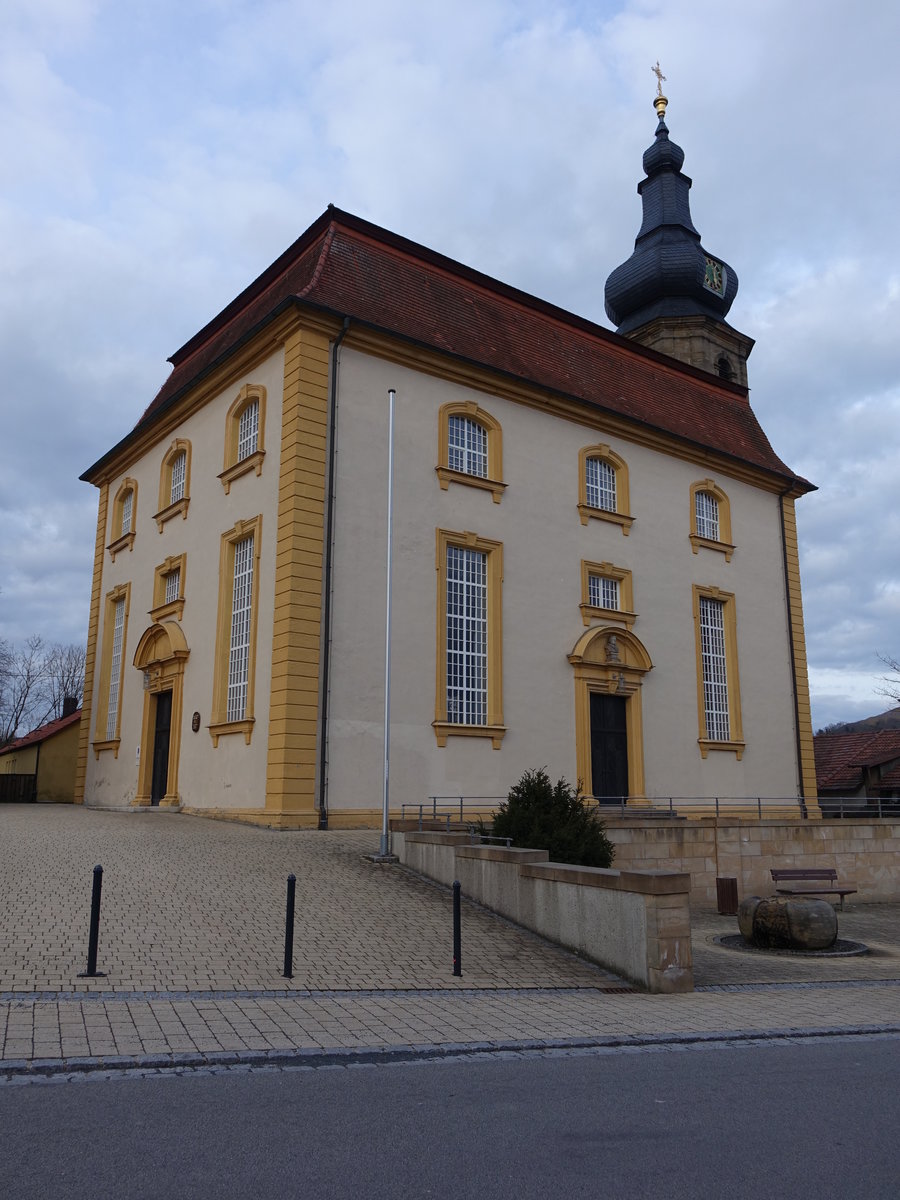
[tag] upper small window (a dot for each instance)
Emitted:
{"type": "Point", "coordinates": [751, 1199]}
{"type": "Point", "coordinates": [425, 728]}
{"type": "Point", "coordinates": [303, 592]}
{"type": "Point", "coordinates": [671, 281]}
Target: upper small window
{"type": "Point", "coordinates": [124, 518]}
{"type": "Point", "coordinates": [168, 589]}
{"type": "Point", "coordinates": [710, 518]}
{"type": "Point", "coordinates": [603, 487]}
{"type": "Point", "coordinates": [606, 593]}
{"type": "Point", "coordinates": [470, 448]}
{"type": "Point", "coordinates": [244, 434]}
{"type": "Point", "coordinates": [174, 482]}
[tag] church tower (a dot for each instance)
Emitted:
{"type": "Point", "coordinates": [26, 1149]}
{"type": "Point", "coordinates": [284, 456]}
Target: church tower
{"type": "Point", "coordinates": [671, 294]}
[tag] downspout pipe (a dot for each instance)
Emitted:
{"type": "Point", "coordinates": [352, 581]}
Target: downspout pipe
{"type": "Point", "coordinates": [790, 623]}
{"type": "Point", "coordinates": [326, 599]}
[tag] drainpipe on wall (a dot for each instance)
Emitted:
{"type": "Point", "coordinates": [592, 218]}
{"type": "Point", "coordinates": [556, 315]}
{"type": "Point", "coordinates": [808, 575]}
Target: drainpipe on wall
{"type": "Point", "coordinates": [790, 624]}
{"type": "Point", "coordinates": [322, 804]}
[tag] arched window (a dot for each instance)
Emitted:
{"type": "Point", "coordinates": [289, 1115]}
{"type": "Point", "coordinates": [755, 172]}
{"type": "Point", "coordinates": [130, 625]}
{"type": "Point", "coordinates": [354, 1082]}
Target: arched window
{"type": "Point", "coordinates": [725, 369]}
{"type": "Point", "coordinates": [174, 482]}
{"type": "Point", "coordinates": [470, 448]}
{"type": "Point", "coordinates": [245, 426]}
{"type": "Point", "coordinates": [603, 492]}
{"type": "Point", "coordinates": [124, 518]}
{"type": "Point", "coordinates": [710, 518]}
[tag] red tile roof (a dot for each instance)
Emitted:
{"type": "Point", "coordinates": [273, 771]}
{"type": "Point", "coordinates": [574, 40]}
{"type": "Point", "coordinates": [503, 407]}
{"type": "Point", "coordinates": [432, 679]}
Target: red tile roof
{"type": "Point", "coordinates": [44, 732]}
{"type": "Point", "coordinates": [348, 267]}
{"type": "Point", "coordinates": [841, 758]}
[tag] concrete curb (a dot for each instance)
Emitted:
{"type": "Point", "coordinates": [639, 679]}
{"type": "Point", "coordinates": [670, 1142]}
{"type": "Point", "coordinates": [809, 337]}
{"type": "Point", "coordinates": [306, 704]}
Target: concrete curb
{"type": "Point", "coordinates": [47, 1068]}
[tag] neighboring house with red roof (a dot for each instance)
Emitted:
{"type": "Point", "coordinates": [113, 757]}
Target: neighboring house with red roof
{"type": "Point", "coordinates": [595, 563]}
{"type": "Point", "coordinates": [41, 765]}
{"type": "Point", "coordinates": [859, 768]}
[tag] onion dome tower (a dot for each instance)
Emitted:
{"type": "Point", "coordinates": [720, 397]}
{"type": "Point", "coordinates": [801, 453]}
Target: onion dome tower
{"type": "Point", "coordinates": [671, 294]}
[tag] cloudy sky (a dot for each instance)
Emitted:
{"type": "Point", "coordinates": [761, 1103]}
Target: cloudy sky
{"type": "Point", "coordinates": [157, 155]}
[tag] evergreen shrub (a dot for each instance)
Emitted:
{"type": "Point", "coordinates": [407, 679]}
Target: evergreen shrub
{"type": "Point", "coordinates": [539, 815]}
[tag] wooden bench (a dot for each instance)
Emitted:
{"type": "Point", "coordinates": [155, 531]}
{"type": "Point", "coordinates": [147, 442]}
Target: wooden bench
{"type": "Point", "coordinates": [810, 881]}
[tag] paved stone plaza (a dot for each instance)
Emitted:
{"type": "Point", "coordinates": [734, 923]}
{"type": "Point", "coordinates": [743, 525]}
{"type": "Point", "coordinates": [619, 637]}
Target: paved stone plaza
{"type": "Point", "coordinates": [191, 943]}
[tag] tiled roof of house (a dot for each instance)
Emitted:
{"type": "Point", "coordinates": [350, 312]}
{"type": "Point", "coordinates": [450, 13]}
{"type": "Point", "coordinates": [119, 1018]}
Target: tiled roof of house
{"type": "Point", "coordinates": [44, 732]}
{"type": "Point", "coordinates": [842, 757]}
{"type": "Point", "coordinates": [348, 267]}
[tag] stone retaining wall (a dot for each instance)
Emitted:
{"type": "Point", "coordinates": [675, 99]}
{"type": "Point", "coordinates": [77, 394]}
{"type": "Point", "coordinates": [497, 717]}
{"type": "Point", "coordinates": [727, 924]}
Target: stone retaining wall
{"type": "Point", "coordinates": [634, 922]}
{"type": "Point", "coordinates": [862, 851]}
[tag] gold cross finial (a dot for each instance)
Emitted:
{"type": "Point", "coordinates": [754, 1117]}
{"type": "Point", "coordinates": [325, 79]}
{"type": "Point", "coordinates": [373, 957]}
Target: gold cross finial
{"type": "Point", "coordinates": [659, 100]}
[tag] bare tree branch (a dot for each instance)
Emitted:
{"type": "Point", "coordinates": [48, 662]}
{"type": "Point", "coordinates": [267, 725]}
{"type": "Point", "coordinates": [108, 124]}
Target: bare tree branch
{"type": "Point", "coordinates": [891, 682]}
{"type": "Point", "coordinates": [34, 681]}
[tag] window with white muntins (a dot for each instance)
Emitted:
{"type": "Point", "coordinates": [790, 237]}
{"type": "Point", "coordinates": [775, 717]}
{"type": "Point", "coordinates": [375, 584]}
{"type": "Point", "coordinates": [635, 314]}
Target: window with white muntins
{"type": "Point", "coordinates": [467, 624]}
{"type": "Point", "coordinates": [127, 512]}
{"type": "Point", "coordinates": [715, 669]}
{"type": "Point", "coordinates": [179, 471]}
{"type": "Point", "coordinates": [603, 592]}
{"type": "Point", "coordinates": [248, 431]}
{"type": "Point", "coordinates": [115, 669]}
{"type": "Point", "coordinates": [239, 647]}
{"type": "Point", "coordinates": [600, 484]}
{"type": "Point", "coordinates": [173, 585]}
{"type": "Point", "coordinates": [707, 515]}
{"type": "Point", "coordinates": [467, 446]}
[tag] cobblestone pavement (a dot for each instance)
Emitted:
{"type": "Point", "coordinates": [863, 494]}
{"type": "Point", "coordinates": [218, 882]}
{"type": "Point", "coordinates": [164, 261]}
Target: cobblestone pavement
{"type": "Point", "coordinates": [192, 940]}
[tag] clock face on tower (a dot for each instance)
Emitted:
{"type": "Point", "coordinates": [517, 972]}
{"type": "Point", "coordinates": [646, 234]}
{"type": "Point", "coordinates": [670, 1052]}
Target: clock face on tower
{"type": "Point", "coordinates": [715, 276]}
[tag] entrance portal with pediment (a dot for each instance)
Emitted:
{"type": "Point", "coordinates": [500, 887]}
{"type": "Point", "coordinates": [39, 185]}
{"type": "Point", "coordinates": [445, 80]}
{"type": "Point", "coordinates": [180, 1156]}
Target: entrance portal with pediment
{"type": "Point", "coordinates": [161, 655]}
{"type": "Point", "coordinates": [610, 664]}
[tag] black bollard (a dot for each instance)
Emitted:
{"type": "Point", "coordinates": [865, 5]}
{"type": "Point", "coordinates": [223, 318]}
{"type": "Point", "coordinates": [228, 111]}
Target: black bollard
{"type": "Point", "coordinates": [94, 935]}
{"type": "Point", "coordinates": [289, 928]}
{"type": "Point", "coordinates": [457, 938]}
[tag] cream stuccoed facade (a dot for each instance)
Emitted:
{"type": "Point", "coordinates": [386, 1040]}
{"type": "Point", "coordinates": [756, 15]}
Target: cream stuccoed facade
{"type": "Point", "coordinates": [267, 704]}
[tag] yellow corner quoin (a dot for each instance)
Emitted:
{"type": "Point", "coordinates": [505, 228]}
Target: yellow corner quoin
{"type": "Point", "coordinates": [801, 678]}
{"type": "Point", "coordinates": [294, 706]}
{"type": "Point", "coordinates": [84, 731]}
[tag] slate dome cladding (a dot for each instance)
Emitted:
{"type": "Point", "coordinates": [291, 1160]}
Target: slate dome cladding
{"type": "Point", "coordinates": [665, 274]}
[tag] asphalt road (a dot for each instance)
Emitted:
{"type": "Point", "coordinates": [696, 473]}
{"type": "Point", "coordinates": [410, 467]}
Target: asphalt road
{"type": "Point", "coordinates": [798, 1118]}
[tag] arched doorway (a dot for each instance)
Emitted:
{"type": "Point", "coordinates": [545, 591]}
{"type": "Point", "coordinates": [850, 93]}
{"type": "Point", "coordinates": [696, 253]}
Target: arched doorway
{"type": "Point", "coordinates": [610, 664]}
{"type": "Point", "coordinates": [161, 654]}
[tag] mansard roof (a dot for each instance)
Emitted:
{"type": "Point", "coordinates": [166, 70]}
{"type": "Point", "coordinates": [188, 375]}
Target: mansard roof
{"type": "Point", "coordinates": [347, 267]}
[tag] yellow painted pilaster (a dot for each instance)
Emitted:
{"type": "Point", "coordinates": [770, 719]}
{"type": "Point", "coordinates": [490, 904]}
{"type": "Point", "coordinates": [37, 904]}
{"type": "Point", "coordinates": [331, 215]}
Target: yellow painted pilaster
{"type": "Point", "coordinates": [296, 649]}
{"type": "Point", "coordinates": [801, 677]}
{"type": "Point", "coordinates": [84, 734]}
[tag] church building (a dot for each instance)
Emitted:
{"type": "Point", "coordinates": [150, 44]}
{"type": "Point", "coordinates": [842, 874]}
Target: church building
{"type": "Point", "coordinates": [594, 549]}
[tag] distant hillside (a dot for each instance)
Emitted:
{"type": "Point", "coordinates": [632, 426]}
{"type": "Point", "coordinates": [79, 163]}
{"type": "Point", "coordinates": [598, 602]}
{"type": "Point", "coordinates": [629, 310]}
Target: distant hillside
{"type": "Point", "coordinates": [885, 720]}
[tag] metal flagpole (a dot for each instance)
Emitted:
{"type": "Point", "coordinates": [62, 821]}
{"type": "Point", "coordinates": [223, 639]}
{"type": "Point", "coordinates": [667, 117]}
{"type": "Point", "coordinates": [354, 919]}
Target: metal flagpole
{"type": "Point", "coordinates": [385, 836]}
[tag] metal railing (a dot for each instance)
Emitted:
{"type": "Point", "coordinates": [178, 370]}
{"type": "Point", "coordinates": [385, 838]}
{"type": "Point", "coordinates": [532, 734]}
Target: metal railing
{"type": "Point", "coordinates": [462, 810]}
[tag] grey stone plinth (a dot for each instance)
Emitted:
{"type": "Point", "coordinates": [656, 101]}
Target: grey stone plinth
{"type": "Point", "coordinates": [788, 922]}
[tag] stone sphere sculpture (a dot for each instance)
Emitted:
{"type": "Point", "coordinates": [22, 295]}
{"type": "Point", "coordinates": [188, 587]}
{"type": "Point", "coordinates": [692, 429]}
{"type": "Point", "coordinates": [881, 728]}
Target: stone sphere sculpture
{"type": "Point", "coordinates": [788, 922]}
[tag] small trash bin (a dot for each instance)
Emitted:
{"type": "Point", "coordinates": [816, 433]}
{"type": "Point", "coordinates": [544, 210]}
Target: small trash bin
{"type": "Point", "coordinates": [726, 895]}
